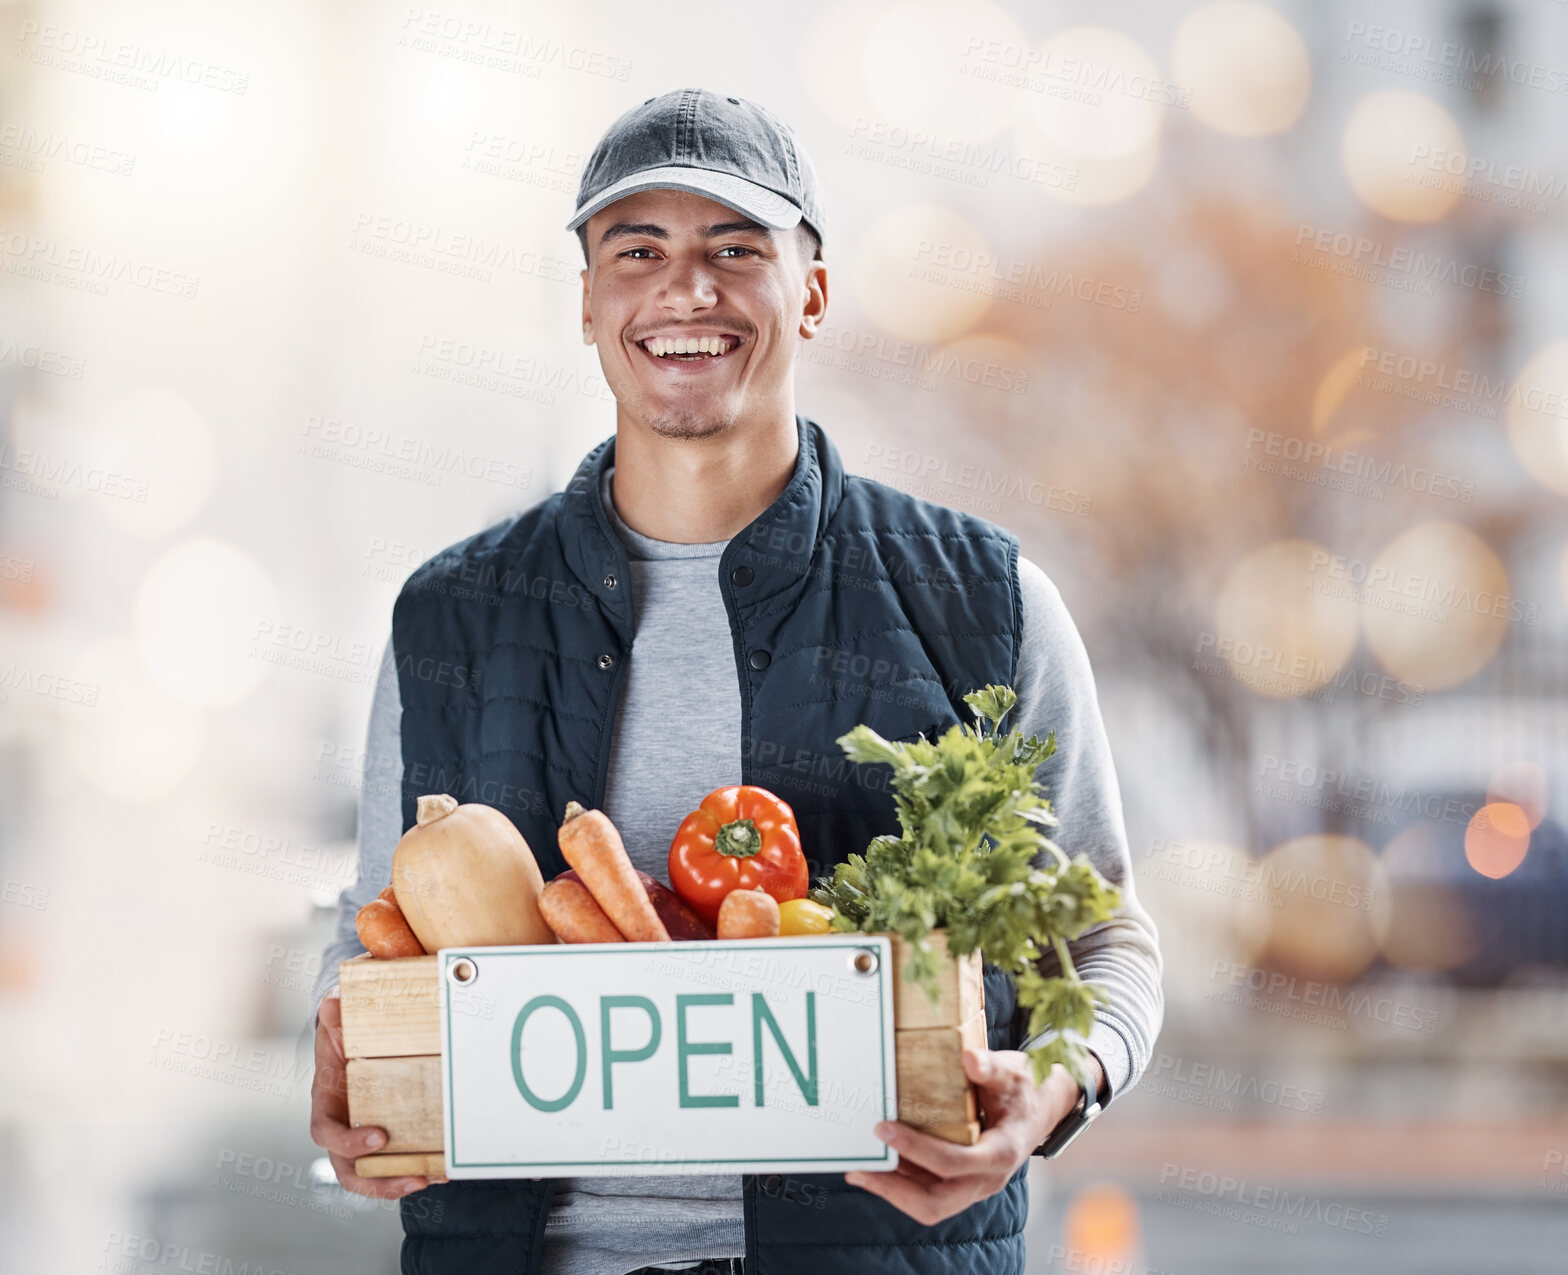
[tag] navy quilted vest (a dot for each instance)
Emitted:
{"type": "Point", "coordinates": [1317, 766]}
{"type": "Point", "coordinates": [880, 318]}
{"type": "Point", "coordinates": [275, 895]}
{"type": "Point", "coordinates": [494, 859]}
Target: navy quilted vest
{"type": "Point", "coordinates": [848, 601]}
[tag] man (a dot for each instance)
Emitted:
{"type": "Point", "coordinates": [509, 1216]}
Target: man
{"type": "Point", "coordinates": [694, 610]}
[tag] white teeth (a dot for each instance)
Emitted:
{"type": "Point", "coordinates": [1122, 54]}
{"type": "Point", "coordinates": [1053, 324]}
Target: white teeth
{"type": "Point", "coordinates": [660, 347]}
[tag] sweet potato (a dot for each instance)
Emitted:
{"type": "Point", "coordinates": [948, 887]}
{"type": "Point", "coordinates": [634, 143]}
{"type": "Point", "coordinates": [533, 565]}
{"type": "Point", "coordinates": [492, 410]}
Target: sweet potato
{"type": "Point", "coordinates": [748, 914]}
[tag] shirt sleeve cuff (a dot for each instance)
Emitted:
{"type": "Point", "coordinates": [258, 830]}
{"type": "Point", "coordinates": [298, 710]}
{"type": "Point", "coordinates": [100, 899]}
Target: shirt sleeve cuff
{"type": "Point", "coordinates": [1107, 1044]}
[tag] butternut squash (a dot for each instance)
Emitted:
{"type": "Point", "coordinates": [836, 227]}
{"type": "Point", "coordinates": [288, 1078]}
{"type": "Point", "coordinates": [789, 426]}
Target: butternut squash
{"type": "Point", "coordinates": [465, 877]}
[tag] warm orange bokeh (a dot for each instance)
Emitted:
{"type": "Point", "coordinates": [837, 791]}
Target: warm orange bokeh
{"type": "Point", "coordinates": [1497, 839]}
{"type": "Point", "coordinates": [1101, 1222]}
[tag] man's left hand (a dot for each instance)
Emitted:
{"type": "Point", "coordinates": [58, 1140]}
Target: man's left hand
{"type": "Point", "coordinates": [936, 1179]}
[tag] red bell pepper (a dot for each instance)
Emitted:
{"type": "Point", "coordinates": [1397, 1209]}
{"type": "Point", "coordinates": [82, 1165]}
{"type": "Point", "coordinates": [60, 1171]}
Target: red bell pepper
{"type": "Point", "coordinates": [740, 838]}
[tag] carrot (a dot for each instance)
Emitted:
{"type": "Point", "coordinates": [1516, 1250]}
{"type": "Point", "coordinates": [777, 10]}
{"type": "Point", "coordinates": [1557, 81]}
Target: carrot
{"type": "Point", "coordinates": [384, 931]}
{"type": "Point", "coordinates": [572, 912]}
{"type": "Point", "coordinates": [749, 914]}
{"type": "Point", "coordinates": [679, 917]}
{"type": "Point", "coordinates": [592, 845]}
{"type": "Point", "coordinates": [389, 895]}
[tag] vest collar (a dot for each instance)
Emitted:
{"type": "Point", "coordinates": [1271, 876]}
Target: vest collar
{"type": "Point", "coordinates": [778, 546]}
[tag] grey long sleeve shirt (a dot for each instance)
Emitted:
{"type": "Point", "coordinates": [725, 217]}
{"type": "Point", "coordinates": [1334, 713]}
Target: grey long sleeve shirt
{"type": "Point", "coordinates": [606, 1226]}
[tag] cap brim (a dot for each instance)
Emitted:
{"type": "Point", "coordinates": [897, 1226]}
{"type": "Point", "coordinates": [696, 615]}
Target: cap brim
{"type": "Point", "coordinates": [757, 202]}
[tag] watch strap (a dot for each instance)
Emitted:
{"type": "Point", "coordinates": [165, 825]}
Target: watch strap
{"type": "Point", "coordinates": [1072, 1124]}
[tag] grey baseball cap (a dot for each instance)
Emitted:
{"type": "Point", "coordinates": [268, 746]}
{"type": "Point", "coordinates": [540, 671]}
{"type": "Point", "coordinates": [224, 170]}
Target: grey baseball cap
{"type": "Point", "coordinates": [724, 148]}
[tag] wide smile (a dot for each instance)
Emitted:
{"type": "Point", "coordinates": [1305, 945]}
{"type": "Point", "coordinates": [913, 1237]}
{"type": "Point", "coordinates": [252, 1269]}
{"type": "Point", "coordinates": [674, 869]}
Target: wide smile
{"type": "Point", "coordinates": [690, 355]}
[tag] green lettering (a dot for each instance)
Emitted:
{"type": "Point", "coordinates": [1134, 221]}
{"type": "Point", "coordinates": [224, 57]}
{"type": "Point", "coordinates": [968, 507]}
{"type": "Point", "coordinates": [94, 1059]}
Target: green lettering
{"type": "Point", "coordinates": [613, 1055]}
{"type": "Point", "coordinates": [685, 1048]}
{"type": "Point", "coordinates": [533, 1099]}
{"type": "Point", "coordinates": [760, 1013]}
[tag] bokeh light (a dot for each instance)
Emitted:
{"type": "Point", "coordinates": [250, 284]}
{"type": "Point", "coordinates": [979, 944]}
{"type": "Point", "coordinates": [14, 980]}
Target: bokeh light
{"type": "Point", "coordinates": [892, 258]}
{"type": "Point", "coordinates": [1088, 181]}
{"type": "Point", "coordinates": [1101, 1228]}
{"type": "Point", "coordinates": [1246, 66]}
{"type": "Point", "coordinates": [1436, 605]}
{"type": "Point", "coordinates": [1537, 414]}
{"type": "Point", "coordinates": [1323, 887]}
{"type": "Point", "coordinates": [1098, 122]}
{"type": "Point", "coordinates": [1390, 144]}
{"type": "Point", "coordinates": [197, 614]}
{"type": "Point", "coordinates": [920, 62]}
{"type": "Point", "coordinates": [1497, 839]}
{"type": "Point", "coordinates": [138, 744]}
{"type": "Point", "coordinates": [1281, 634]}
{"type": "Point", "coordinates": [155, 436]}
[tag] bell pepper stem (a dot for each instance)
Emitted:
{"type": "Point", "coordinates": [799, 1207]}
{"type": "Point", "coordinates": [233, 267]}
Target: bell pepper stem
{"type": "Point", "coordinates": [739, 839]}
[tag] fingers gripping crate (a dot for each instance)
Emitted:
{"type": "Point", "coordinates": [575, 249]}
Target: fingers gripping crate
{"type": "Point", "coordinates": [392, 1041]}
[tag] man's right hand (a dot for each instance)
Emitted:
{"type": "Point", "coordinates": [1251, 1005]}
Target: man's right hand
{"type": "Point", "coordinates": [329, 1127]}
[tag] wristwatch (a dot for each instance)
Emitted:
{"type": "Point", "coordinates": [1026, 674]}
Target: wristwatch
{"type": "Point", "coordinates": [1072, 1124]}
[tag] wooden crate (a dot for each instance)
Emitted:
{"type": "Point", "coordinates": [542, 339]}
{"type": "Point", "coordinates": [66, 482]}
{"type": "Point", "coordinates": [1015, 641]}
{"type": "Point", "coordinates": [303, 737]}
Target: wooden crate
{"type": "Point", "coordinates": [392, 1041]}
{"type": "Point", "coordinates": [928, 1040]}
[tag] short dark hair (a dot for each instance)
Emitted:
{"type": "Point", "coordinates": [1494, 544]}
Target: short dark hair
{"type": "Point", "coordinates": [803, 228]}
{"type": "Point", "coordinates": [816, 241]}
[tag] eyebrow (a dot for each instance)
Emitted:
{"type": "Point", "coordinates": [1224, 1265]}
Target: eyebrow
{"type": "Point", "coordinates": [655, 231]}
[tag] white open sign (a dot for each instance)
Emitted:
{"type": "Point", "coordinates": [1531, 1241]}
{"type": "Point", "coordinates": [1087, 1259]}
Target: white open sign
{"type": "Point", "coordinates": [695, 1057]}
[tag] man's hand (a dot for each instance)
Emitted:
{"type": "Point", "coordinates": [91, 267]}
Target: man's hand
{"type": "Point", "coordinates": [329, 1126]}
{"type": "Point", "coordinates": [936, 1179]}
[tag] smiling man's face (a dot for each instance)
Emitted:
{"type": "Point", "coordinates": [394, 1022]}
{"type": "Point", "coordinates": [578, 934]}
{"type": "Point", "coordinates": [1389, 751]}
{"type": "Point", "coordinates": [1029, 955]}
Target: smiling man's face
{"type": "Point", "coordinates": [697, 311]}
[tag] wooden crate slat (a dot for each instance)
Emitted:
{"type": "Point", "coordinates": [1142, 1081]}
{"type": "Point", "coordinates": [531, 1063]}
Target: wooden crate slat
{"type": "Point", "coordinates": [400, 1095]}
{"type": "Point", "coordinates": [390, 1008]}
{"type": "Point", "coordinates": [418, 1164]}
{"type": "Point", "coordinates": [966, 1133]}
{"type": "Point", "coordinates": [960, 983]}
{"type": "Point", "coordinates": [933, 1091]}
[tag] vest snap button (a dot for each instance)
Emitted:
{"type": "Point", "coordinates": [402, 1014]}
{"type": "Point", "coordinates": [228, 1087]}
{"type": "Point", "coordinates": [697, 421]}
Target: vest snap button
{"type": "Point", "coordinates": [760, 659]}
{"type": "Point", "coordinates": [606, 660]}
{"type": "Point", "coordinates": [609, 581]}
{"type": "Point", "coordinates": [742, 575]}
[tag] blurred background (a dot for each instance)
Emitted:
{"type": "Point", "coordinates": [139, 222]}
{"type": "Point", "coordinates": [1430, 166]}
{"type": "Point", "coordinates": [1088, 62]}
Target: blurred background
{"type": "Point", "coordinates": [1250, 319]}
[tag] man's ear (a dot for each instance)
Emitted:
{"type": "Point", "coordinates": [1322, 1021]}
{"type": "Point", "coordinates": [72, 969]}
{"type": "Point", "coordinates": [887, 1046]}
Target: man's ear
{"type": "Point", "coordinates": [587, 316]}
{"type": "Point", "coordinates": [816, 300]}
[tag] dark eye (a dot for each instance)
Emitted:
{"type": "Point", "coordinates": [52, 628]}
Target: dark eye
{"type": "Point", "coordinates": [735, 247]}
{"type": "Point", "coordinates": [629, 251]}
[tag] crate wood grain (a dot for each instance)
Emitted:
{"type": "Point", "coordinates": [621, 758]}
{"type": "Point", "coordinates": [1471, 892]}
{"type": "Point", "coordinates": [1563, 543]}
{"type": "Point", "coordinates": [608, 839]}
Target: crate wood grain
{"type": "Point", "coordinates": [390, 1007]}
{"type": "Point", "coordinates": [959, 983]}
{"type": "Point", "coordinates": [392, 1040]}
{"type": "Point", "coordinates": [933, 1092]}
{"type": "Point", "coordinates": [400, 1095]}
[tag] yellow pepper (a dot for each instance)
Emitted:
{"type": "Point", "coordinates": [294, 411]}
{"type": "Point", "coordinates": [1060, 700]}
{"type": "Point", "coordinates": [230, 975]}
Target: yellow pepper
{"type": "Point", "coordinates": [803, 916]}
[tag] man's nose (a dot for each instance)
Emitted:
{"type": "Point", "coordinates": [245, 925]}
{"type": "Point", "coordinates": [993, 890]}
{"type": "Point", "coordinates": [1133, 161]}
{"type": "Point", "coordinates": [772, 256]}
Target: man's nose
{"type": "Point", "coordinates": [688, 285]}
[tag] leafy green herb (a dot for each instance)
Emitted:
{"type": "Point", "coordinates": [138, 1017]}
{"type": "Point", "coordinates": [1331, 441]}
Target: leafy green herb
{"type": "Point", "coordinates": [974, 859]}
